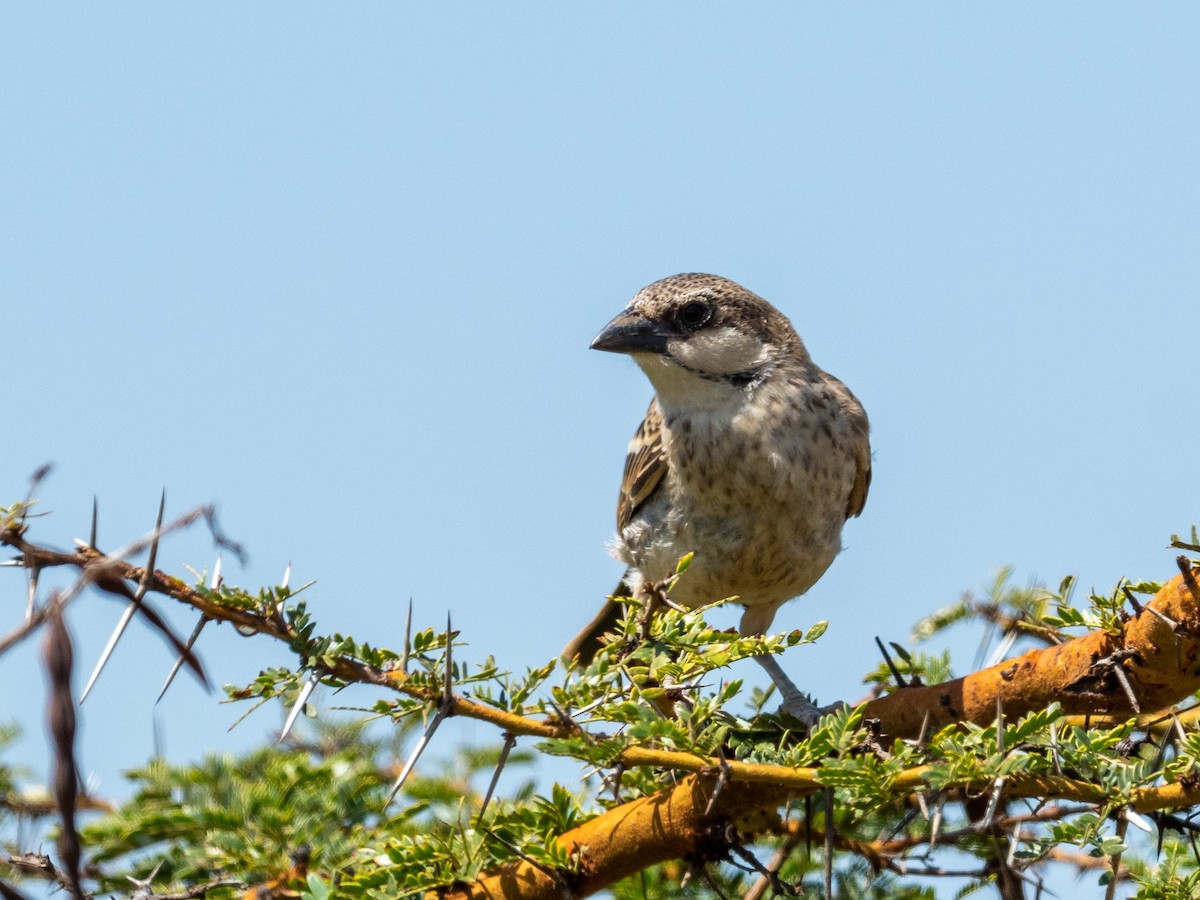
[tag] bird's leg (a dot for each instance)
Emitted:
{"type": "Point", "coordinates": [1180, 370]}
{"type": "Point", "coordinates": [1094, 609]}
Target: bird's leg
{"type": "Point", "coordinates": [755, 621]}
{"type": "Point", "coordinates": [795, 701]}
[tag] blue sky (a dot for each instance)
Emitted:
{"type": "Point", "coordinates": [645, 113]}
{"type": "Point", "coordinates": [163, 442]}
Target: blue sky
{"type": "Point", "coordinates": [336, 269]}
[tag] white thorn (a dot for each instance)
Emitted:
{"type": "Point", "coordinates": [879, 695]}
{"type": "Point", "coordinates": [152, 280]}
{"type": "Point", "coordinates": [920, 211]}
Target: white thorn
{"type": "Point", "coordinates": [180, 659]}
{"type": "Point", "coordinates": [1138, 821]}
{"type": "Point", "coordinates": [415, 755]}
{"type": "Point", "coordinates": [298, 707]}
{"type": "Point", "coordinates": [126, 618]}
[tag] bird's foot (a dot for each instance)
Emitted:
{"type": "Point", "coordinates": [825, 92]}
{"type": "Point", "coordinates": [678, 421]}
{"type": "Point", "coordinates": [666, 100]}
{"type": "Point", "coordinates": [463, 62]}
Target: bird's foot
{"type": "Point", "coordinates": [801, 707]}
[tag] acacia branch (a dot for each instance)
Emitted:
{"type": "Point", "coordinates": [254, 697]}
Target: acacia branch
{"type": "Point", "coordinates": [1161, 662]}
{"type": "Point", "coordinates": [1163, 670]}
{"type": "Point", "coordinates": [1158, 651]}
{"type": "Point", "coordinates": [664, 826]}
{"type": "Point", "coordinates": [672, 825]}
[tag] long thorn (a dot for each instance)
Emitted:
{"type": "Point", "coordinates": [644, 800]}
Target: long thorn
{"type": "Point", "coordinates": [447, 702]}
{"type": "Point", "coordinates": [122, 624]}
{"type": "Point", "coordinates": [127, 616]}
{"type": "Point", "coordinates": [1163, 617]}
{"type": "Point", "coordinates": [214, 584]}
{"type": "Point", "coordinates": [1057, 757]}
{"type": "Point", "coordinates": [162, 502]}
{"type": "Point", "coordinates": [923, 736]}
{"type": "Point", "coordinates": [422, 743]}
{"type": "Point", "coordinates": [277, 610]}
{"type": "Point", "coordinates": [31, 597]}
{"type": "Point", "coordinates": [510, 741]}
{"type": "Point", "coordinates": [34, 481]}
{"type": "Point", "coordinates": [935, 823]}
{"type": "Point", "coordinates": [999, 724]}
{"type": "Point", "coordinates": [179, 660]}
{"type": "Point", "coordinates": [613, 780]}
{"type": "Point", "coordinates": [1133, 601]}
{"type": "Point", "coordinates": [298, 707]}
{"type": "Point", "coordinates": [95, 520]}
{"type": "Point", "coordinates": [989, 814]}
{"type": "Point", "coordinates": [1002, 648]}
{"type": "Point", "coordinates": [1178, 727]}
{"type": "Point", "coordinates": [1138, 820]}
{"type": "Point", "coordinates": [407, 639]}
{"type": "Point", "coordinates": [1123, 680]}
{"type": "Point", "coordinates": [447, 687]}
{"type": "Point", "coordinates": [900, 682]}
{"type": "Point", "coordinates": [722, 780]}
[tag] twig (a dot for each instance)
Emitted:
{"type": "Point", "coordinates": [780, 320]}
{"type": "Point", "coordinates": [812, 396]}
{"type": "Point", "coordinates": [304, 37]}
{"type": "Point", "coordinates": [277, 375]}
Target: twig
{"type": "Point", "coordinates": [57, 655]}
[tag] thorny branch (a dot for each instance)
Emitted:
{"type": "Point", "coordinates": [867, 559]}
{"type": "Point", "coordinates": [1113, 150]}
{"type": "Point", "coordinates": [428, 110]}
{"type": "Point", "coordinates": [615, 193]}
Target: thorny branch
{"type": "Point", "coordinates": [1160, 646]}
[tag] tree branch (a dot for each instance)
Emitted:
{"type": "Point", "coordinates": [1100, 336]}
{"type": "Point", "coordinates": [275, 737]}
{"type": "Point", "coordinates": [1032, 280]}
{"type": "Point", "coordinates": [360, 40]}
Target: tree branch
{"type": "Point", "coordinates": [1161, 662]}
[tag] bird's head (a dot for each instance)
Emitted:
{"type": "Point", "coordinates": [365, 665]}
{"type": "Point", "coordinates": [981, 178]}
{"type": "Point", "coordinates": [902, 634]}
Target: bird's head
{"type": "Point", "coordinates": [699, 337]}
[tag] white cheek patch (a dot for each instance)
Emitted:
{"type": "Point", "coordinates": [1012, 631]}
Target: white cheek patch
{"type": "Point", "coordinates": [719, 351]}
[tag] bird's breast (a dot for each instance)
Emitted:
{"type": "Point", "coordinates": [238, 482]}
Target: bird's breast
{"type": "Point", "coordinates": [757, 492]}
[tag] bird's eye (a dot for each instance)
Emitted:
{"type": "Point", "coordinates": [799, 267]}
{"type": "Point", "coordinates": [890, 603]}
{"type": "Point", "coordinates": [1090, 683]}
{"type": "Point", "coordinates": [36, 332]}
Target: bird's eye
{"type": "Point", "coordinates": [694, 314]}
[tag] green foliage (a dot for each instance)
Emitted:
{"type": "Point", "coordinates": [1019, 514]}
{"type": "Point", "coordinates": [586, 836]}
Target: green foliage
{"type": "Point", "coordinates": [915, 668]}
{"type": "Point", "coordinates": [243, 816]}
{"type": "Point", "coordinates": [1174, 878]}
{"type": "Point", "coordinates": [902, 811]}
{"type": "Point", "coordinates": [9, 731]}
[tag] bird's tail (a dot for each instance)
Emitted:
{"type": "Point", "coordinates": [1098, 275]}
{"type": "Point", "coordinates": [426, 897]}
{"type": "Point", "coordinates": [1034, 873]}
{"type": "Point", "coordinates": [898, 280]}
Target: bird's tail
{"type": "Point", "coordinates": [585, 644]}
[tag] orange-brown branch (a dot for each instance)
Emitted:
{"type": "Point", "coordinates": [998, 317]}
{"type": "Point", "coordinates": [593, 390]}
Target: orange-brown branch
{"type": "Point", "coordinates": [1162, 668]}
{"type": "Point", "coordinates": [671, 825]}
{"type": "Point", "coordinates": [668, 825]}
{"type": "Point", "coordinates": [1160, 659]}
{"type": "Point", "coordinates": [1161, 671]}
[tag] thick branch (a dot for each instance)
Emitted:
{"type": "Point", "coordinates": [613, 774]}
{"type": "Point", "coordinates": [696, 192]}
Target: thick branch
{"type": "Point", "coordinates": [671, 825]}
{"type": "Point", "coordinates": [668, 825]}
{"type": "Point", "coordinates": [1161, 664]}
{"type": "Point", "coordinates": [1162, 670]}
{"type": "Point", "coordinates": [1158, 651]}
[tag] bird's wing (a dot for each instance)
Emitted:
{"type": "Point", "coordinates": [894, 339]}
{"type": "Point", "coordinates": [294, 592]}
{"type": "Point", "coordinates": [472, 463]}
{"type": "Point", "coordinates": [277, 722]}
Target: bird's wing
{"type": "Point", "coordinates": [645, 466]}
{"type": "Point", "coordinates": [862, 479]}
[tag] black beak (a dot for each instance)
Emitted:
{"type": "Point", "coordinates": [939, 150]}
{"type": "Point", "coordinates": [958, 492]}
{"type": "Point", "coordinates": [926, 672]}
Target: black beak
{"type": "Point", "coordinates": [631, 332]}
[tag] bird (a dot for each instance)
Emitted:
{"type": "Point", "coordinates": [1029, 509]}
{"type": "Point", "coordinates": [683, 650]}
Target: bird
{"type": "Point", "coordinates": [750, 457]}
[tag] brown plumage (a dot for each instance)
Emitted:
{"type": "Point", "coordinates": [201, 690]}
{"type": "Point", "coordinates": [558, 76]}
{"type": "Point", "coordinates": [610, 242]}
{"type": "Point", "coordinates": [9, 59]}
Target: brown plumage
{"type": "Point", "coordinates": [645, 465]}
{"type": "Point", "coordinates": [750, 455]}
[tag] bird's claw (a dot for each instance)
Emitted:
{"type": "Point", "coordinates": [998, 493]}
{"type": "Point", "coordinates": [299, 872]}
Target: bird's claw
{"type": "Point", "coordinates": [801, 707]}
